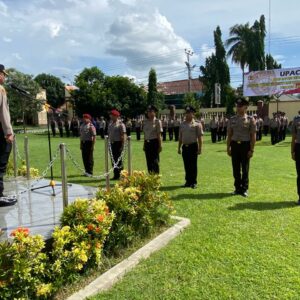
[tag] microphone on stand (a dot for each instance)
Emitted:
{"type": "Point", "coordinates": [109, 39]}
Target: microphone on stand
{"type": "Point", "coordinates": [21, 91]}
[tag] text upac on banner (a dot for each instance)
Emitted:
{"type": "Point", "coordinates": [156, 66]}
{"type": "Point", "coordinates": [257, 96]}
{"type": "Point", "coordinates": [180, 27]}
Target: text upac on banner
{"type": "Point", "coordinates": [271, 82]}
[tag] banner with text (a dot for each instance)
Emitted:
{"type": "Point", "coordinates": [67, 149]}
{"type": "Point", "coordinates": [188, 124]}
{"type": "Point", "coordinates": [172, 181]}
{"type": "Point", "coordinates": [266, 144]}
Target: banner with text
{"type": "Point", "coordinates": [272, 82]}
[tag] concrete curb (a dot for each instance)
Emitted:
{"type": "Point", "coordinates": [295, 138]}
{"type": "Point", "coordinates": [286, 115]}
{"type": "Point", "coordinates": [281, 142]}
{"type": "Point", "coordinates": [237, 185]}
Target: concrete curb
{"type": "Point", "coordinates": [109, 278]}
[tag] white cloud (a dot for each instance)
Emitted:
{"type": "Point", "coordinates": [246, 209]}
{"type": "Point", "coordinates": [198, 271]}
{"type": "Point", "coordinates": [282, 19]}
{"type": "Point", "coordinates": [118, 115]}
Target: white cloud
{"type": "Point", "coordinates": [6, 39]}
{"type": "Point", "coordinates": [3, 9]}
{"type": "Point", "coordinates": [206, 51]}
{"type": "Point", "coordinates": [145, 40]}
{"type": "Point", "coordinates": [17, 56]}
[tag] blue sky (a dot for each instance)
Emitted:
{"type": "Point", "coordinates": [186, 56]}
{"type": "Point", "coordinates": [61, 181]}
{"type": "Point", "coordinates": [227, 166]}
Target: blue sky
{"type": "Point", "coordinates": [128, 37]}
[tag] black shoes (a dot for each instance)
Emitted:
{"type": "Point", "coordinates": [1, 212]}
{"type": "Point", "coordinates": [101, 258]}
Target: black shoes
{"type": "Point", "coordinates": [240, 193]}
{"type": "Point", "coordinates": [186, 185]}
{"type": "Point", "coordinates": [7, 200]}
{"type": "Point", "coordinates": [298, 202]}
{"type": "Point", "coordinates": [193, 186]}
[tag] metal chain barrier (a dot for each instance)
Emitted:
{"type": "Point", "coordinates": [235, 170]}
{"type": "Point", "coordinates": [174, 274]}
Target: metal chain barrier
{"type": "Point", "coordinates": [44, 173]}
{"type": "Point", "coordinates": [121, 157]}
{"type": "Point", "coordinates": [78, 167]}
{"type": "Point", "coordinates": [104, 175]}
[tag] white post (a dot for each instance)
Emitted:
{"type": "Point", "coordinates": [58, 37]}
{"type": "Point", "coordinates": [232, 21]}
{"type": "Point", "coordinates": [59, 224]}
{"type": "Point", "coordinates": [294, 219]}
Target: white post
{"type": "Point", "coordinates": [106, 163]}
{"type": "Point", "coordinates": [64, 179]}
{"type": "Point", "coordinates": [26, 150]}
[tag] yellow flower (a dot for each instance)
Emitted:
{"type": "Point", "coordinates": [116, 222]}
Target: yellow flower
{"type": "Point", "coordinates": [43, 289]}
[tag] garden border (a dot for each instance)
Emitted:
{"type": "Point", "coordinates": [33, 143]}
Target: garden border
{"type": "Point", "coordinates": [105, 281]}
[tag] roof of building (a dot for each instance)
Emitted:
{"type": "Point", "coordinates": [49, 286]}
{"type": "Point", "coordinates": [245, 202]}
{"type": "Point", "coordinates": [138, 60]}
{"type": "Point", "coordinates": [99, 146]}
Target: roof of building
{"type": "Point", "coordinates": [180, 87]}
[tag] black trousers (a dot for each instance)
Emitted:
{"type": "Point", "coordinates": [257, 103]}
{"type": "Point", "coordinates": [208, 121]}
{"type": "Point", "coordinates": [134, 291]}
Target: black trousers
{"type": "Point", "coordinates": [67, 129]}
{"type": "Point", "coordinates": [274, 136]}
{"type": "Point", "coordinates": [284, 132]}
{"type": "Point", "coordinates": [266, 130]}
{"type": "Point", "coordinates": [297, 154]}
{"type": "Point", "coordinates": [138, 133]}
{"type": "Point", "coordinates": [190, 158]}
{"type": "Point", "coordinates": [224, 133]}
{"type": "Point", "coordinates": [219, 134]}
{"type": "Point", "coordinates": [240, 165]}
{"type": "Point", "coordinates": [53, 130]}
{"type": "Point", "coordinates": [152, 155]}
{"type": "Point", "coordinates": [176, 133]}
{"type": "Point", "coordinates": [117, 148]}
{"type": "Point", "coordinates": [171, 133]}
{"type": "Point", "coordinates": [213, 132]}
{"type": "Point", "coordinates": [5, 149]}
{"type": "Point", "coordinates": [128, 131]}
{"type": "Point", "coordinates": [101, 133]}
{"type": "Point", "coordinates": [88, 156]}
{"type": "Point", "coordinates": [164, 133]}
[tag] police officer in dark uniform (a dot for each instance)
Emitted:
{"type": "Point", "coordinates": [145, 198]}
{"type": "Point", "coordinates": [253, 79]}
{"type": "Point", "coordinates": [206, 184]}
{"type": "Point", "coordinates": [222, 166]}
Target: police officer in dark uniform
{"type": "Point", "coordinates": [87, 143]}
{"type": "Point", "coordinates": [60, 125]}
{"type": "Point", "coordinates": [295, 149]}
{"type": "Point", "coordinates": [191, 140]}
{"type": "Point", "coordinates": [152, 139]}
{"type": "Point", "coordinates": [6, 139]}
{"type": "Point", "coordinates": [240, 146]}
{"type": "Point", "coordinates": [53, 125]}
{"type": "Point", "coordinates": [116, 135]}
{"type": "Point", "coordinates": [67, 126]}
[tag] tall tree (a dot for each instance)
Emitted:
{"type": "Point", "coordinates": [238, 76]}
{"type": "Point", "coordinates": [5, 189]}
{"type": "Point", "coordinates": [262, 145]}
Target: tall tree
{"type": "Point", "coordinates": [216, 70]}
{"type": "Point", "coordinates": [91, 96]}
{"type": "Point", "coordinates": [154, 97]}
{"type": "Point", "coordinates": [238, 43]}
{"type": "Point", "coordinates": [247, 45]}
{"type": "Point", "coordinates": [271, 63]}
{"type": "Point", "coordinates": [55, 88]}
{"type": "Point", "coordinates": [23, 107]}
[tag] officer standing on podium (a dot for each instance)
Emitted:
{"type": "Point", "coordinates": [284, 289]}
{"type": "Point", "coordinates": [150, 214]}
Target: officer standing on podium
{"type": "Point", "coordinates": [6, 139]}
{"type": "Point", "coordinates": [240, 146]}
{"type": "Point", "coordinates": [152, 139]}
{"type": "Point", "coordinates": [191, 140]}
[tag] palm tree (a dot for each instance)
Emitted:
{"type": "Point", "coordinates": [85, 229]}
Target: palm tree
{"type": "Point", "coordinates": [239, 44]}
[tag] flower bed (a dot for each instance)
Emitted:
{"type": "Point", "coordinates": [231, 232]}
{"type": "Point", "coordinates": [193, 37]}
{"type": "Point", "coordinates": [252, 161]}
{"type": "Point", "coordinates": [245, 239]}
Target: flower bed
{"type": "Point", "coordinates": [133, 208]}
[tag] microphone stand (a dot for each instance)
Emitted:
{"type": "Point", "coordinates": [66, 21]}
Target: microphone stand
{"type": "Point", "coordinates": [52, 183]}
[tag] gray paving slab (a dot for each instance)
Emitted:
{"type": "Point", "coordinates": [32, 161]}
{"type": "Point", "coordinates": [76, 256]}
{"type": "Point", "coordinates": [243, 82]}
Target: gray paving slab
{"type": "Point", "coordinates": [37, 210]}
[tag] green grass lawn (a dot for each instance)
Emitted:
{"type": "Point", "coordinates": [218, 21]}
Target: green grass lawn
{"type": "Point", "coordinates": [235, 248]}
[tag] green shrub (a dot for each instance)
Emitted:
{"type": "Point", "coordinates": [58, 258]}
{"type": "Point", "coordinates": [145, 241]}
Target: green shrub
{"type": "Point", "coordinates": [139, 208]}
{"type": "Point", "coordinates": [78, 244]}
{"type": "Point", "coordinates": [23, 267]}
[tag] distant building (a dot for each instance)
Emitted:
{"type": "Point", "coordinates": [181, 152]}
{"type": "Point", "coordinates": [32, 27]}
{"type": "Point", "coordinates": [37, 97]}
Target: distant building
{"type": "Point", "coordinates": [174, 91]}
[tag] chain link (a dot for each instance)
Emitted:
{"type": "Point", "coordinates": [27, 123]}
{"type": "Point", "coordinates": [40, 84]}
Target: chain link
{"type": "Point", "coordinates": [121, 157]}
{"type": "Point", "coordinates": [78, 167]}
{"type": "Point", "coordinates": [44, 173]}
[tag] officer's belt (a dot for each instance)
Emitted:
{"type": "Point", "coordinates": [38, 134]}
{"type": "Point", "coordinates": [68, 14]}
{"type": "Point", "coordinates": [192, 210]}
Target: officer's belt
{"type": "Point", "coordinates": [188, 145]}
{"type": "Point", "coordinates": [241, 142]}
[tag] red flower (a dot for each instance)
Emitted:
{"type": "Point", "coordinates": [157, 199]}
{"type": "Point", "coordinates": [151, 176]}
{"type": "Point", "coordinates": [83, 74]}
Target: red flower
{"type": "Point", "coordinates": [98, 229]}
{"type": "Point", "coordinates": [90, 227]}
{"type": "Point", "coordinates": [100, 218]}
{"type": "Point", "coordinates": [24, 231]}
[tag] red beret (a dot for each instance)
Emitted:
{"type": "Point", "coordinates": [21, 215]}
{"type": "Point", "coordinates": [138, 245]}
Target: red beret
{"type": "Point", "coordinates": [87, 116]}
{"type": "Point", "coordinates": [115, 113]}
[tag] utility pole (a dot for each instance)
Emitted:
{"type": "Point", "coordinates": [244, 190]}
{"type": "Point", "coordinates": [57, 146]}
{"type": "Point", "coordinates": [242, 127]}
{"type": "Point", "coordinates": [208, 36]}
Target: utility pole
{"type": "Point", "coordinates": [188, 54]}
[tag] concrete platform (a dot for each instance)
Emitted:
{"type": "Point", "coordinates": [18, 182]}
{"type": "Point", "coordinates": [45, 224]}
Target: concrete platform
{"type": "Point", "coordinates": [37, 210]}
